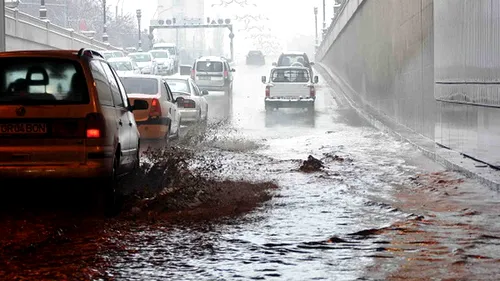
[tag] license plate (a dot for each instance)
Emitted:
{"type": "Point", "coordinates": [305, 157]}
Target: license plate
{"type": "Point", "coordinates": [23, 128]}
{"type": "Point", "coordinates": [204, 77]}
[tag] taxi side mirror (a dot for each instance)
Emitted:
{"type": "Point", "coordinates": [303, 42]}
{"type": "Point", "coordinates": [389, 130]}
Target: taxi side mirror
{"type": "Point", "coordinates": [274, 64]}
{"type": "Point", "coordinates": [316, 79]}
{"type": "Point", "coordinates": [263, 79]}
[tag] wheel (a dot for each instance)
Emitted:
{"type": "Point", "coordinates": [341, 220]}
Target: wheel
{"type": "Point", "coordinates": [108, 190]}
{"type": "Point", "coordinates": [269, 108]}
{"type": "Point", "coordinates": [310, 108]}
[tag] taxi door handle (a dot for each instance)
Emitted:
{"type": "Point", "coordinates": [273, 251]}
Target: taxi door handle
{"type": "Point", "coordinates": [130, 124]}
{"type": "Point", "coordinates": [120, 122]}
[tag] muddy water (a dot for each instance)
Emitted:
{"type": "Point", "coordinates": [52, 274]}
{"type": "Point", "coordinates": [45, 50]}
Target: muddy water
{"type": "Point", "coordinates": [376, 210]}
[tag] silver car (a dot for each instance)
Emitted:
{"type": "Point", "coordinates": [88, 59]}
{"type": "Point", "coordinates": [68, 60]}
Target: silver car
{"type": "Point", "coordinates": [194, 106]}
{"type": "Point", "coordinates": [213, 74]}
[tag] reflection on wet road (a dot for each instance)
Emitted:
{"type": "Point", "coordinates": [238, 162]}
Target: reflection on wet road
{"type": "Point", "coordinates": [365, 215]}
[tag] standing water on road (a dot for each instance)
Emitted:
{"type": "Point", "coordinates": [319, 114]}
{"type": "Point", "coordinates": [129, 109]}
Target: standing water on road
{"type": "Point", "coordinates": [373, 207]}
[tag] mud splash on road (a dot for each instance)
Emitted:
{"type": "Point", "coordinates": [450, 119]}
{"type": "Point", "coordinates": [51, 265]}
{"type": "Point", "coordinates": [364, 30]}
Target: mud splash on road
{"type": "Point", "coordinates": [167, 189]}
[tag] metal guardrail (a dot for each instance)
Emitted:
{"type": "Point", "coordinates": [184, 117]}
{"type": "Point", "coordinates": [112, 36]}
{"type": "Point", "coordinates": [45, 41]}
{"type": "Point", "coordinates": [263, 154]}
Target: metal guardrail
{"type": "Point", "coordinates": [18, 24]}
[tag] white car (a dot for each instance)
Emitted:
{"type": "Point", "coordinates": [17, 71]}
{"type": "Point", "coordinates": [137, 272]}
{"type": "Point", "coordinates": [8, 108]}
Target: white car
{"type": "Point", "coordinates": [164, 61]}
{"type": "Point", "coordinates": [112, 54]}
{"type": "Point", "coordinates": [193, 106]}
{"type": "Point", "coordinates": [290, 87]}
{"type": "Point", "coordinates": [124, 66]}
{"type": "Point", "coordinates": [172, 49]}
{"type": "Point", "coordinates": [162, 119]}
{"type": "Point", "coordinates": [145, 61]}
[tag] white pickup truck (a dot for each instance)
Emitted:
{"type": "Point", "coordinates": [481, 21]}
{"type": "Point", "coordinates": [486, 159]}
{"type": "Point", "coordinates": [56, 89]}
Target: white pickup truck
{"type": "Point", "coordinates": [290, 87]}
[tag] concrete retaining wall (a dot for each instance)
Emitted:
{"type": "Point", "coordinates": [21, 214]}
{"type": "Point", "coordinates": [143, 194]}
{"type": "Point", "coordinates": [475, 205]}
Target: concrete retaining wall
{"type": "Point", "coordinates": [25, 32]}
{"type": "Point", "coordinates": [384, 50]}
{"type": "Point", "coordinates": [431, 66]}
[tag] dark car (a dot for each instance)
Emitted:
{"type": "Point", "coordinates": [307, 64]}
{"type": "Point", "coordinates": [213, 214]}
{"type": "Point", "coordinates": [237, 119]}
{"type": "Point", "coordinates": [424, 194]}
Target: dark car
{"type": "Point", "coordinates": [256, 58]}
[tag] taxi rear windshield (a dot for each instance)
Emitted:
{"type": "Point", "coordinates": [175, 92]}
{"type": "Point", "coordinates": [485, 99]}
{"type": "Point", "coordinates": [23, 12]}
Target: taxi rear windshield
{"type": "Point", "coordinates": [45, 81]}
{"type": "Point", "coordinates": [209, 66]}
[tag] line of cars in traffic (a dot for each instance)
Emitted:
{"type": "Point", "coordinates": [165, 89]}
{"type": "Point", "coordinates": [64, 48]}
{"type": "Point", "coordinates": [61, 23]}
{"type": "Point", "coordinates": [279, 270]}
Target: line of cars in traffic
{"type": "Point", "coordinates": [70, 114]}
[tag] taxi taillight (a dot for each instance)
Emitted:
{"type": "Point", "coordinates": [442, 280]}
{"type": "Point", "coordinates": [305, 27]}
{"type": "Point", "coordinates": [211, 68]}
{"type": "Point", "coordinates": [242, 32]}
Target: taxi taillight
{"type": "Point", "coordinates": [268, 91]}
{"type": "Point", "coordinates": [188, 104]}
{"type": "Point", "coordinates": [226, 74]}
{"type": "Point", "coordinates": [155, 109]}
{"type": "Point", "coordinates": [95, 125]}
{"type": "Point", "coordinates": [193, 74]}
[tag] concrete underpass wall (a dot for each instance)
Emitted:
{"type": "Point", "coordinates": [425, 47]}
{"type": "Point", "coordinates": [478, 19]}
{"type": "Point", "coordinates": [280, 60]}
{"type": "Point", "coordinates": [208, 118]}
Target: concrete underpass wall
{"type": "Point", "coordinates": [25, 32]}
{"type": "Point", "coordinates": [467, 77]}
{"type": "Point", "coordinates": [384, 50]}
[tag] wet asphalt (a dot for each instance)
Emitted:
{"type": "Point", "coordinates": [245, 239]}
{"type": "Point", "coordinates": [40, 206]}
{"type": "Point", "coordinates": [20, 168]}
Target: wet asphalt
{"type": "Point", "coordinates": [378, 210]}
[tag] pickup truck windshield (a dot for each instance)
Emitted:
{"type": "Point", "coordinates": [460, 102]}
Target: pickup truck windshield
{"type": "Point", "coordinates": [290, 75]}
{"type": "Point", "coordinates": [44, 81]}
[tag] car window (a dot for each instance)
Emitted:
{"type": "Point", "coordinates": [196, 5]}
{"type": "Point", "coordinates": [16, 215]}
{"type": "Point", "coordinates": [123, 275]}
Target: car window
{"type": "Point", "coordinates": [121, 88]}
{"type": "Point", "coordinates": [122, 65]}
{"type": "Point", "coordinates": [287, 60]}
{"type": "Point", "coordinates": [140, 57]}
{"type": "Point", "coordinates": [177, 85]}
{"type": "Point", "coordinates": [160, 54]}
{"type": "Point", "coordinates": [42, 81]}
{"type": "Point", "coordinates": [290, 75]}
{"type": "Point", "coordinates": [101, 83]}
{"type": "Point", "coordinates": [195, 89]}
{"type": "Point", "coordinates": [115, 92]}
{"type": "Point", "coordinates": [169, 92]}
{"type": "Point", "coordinates": [140, 85]}
{"type": "Point", "coordinates": [164, 92]}
{"type": "Point", "coordinates": [209, 66]}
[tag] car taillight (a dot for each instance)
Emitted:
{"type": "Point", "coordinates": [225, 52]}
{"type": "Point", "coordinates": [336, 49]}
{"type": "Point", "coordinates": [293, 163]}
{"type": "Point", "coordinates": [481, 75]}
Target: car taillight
{"type": "Point", "coordinates": [226, 74]}
{"type": "Point", "coordinates": [312, 91]}
{"type": "Point", "coordinates": [96, 125]}
{"type": "Point", "coordinates": [189, 104]}
{"type": "Point", "coordinates": [268, 91]}
{"type": "Point", "coordinates": [193, 74]}
{"type": "Point", "coordinates": [155, 109]}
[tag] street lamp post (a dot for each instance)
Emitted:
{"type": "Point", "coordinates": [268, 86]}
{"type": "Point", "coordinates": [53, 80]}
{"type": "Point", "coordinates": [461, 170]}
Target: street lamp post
{"type": "Point", "coordinates": [324, 18]}
{"type": "Point", "coordinates": [139, 15]}
{"type": "Point", "coordinates": [105, 22]}
{"type": "Point", "coordinates": [316, 25]}
{"type": "Point", "coordinates": [43, 10]}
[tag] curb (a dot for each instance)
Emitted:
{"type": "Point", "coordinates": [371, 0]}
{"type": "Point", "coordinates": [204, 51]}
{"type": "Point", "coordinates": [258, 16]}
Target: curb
{"type": "Point", "coordinates": [450, 159]}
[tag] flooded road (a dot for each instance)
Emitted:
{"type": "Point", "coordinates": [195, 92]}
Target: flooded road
{"type": "Point", "coordinates": [377, 209]}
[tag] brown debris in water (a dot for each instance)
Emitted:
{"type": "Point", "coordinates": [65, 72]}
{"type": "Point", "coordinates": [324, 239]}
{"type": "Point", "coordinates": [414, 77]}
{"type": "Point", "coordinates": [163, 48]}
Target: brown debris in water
{"type": "Point", "coordinates": [177, 193]}
{"type": "Point", "coordinates": [311, 165]}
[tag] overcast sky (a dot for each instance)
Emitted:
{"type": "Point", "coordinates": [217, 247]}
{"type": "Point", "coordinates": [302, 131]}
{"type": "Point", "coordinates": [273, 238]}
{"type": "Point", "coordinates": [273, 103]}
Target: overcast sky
{"type": "Point", "coordinates": [287, 16]}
